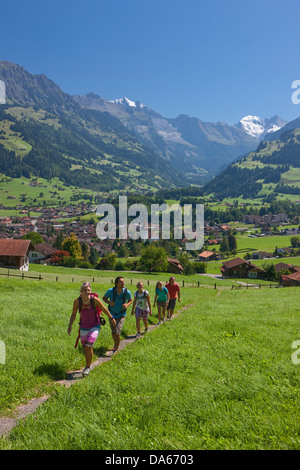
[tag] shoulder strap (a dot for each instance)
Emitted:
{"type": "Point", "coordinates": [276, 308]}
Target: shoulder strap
{"type": "Point", "coordinates": [137, 292]}
{"type": "Point", "coordinates": [114, 293]}
{"type": "Point", "coordinates": [92, 299]}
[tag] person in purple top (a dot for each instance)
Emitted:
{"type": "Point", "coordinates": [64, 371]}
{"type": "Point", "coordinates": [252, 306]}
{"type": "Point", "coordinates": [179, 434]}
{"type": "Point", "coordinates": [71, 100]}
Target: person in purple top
{"type": "Point", "coordinates": [88, 306]}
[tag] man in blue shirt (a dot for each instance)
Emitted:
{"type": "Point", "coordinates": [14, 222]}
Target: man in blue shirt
{"type": "Point", "coordinates": [118, 299]}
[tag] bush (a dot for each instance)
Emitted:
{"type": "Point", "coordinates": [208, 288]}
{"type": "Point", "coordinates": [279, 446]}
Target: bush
{"type": "Point", "coordinates": [103, 264]}
{"type": "Point", "coordinates": [271, 274]}
{"type": "Point", "coordinates": [70, 262]}
{"type": "Point", "coordinates": [200, 267]}
{"type": "Point", "coordinates": [84, 264]}
{"type": "Point", "coordinates": [119, 266]}
{"type": "Point", "coordinates": [128, 264]}
{"type": "Point", "coordinates": [58, 257]}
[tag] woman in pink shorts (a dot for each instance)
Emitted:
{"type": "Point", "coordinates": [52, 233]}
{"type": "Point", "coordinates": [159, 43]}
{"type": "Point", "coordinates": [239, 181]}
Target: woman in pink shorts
{"type": "Point", "coordinates": [87, 305]}
{"type": "Point", "coordinates": [142, 307]}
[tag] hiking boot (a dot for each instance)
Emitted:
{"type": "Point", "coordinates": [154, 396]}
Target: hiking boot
{"type": "Point", "coordinates": [138, 335]}
{"type": "Point", "coordinates": [86, 371]}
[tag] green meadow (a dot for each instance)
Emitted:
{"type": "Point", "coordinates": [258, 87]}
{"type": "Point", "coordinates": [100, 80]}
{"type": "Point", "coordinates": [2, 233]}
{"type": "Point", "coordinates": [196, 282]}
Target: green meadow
{"type": "Point", "coordinates": [267, 243]}
{"type": "Point", "coordinates": [220, 375]}
{"type": "Point", "coordinates": [35, 191]}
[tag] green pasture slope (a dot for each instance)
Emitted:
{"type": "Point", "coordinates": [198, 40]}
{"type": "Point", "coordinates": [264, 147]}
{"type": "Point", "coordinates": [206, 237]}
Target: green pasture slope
{"type": "Point", "coordinates": [34, 191]}
{"type": "Point", "coordinates": [218, 376]}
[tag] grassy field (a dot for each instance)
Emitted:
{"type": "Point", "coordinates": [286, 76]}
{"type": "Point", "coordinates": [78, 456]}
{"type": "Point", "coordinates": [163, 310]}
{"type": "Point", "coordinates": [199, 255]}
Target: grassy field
{"type": "Point", "coordinates": [35, 191]}
{"type": "Point", "coordinates": [78, 275]}
{"type": "Point", "coordinates": [219, 376]}
{"type": "Point", "coordinates": [12, 140]}
{"type": "Point", "coordinates": [60, 274]}
{"type": "Point", "coordinates": [268, 243]}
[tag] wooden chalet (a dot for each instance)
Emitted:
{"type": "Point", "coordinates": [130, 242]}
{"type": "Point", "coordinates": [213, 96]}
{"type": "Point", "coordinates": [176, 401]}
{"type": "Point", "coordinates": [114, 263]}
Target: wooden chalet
{"type": "Point", "coordinates": [240, 268]}
{"type": "Point", "coordinates": [14, 254]}
{"type": "Point", "coordinates": [208, 256]}
{"type": "Point", "coordinates": [174, 266]}
{"type": "Point", "coordinates": [287, 280]}
{"type": "Point", "coordinates": [41, 253]}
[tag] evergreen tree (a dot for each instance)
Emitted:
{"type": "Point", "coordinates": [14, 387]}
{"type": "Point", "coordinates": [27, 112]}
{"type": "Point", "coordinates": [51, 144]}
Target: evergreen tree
{"type": "Point", "coordinates": [85, 251]}
{"type": "Point", "coordinates": [59, 240]}
{"type": "Point", "coordinates": [224, 247]}
{"type": "Point", "coordinates": [232, 243]}
{"type": "Point", "coordinates": [93, 258]}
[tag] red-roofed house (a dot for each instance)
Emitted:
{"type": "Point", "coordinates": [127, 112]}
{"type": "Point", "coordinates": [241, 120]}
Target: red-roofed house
{"type": "Point", "coordinates": [208, 256]}
{"type": "Point", "coordinates": [289, 267]}
{"type": "Point", "coordinates": [290, 279]}
{"type": "Point", "coordinates": [14, 254]}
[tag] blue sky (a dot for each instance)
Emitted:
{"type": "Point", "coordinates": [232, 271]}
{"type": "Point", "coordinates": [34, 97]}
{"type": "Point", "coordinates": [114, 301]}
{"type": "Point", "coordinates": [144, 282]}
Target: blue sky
{"type": "Point", "coordinates": [217, 60]}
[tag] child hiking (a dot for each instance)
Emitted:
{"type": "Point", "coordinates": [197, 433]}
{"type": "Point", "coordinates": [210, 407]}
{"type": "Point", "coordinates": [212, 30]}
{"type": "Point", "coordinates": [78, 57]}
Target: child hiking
{"type": "Point", "coordinates": [89, 307]}
{"type": "Point", "coordinates": [142, 307]}
{"type": "Point", "coordinates": [161, 298]}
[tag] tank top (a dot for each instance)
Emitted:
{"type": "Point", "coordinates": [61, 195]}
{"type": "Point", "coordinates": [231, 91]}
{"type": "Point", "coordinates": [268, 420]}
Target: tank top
{"type": "Point", "coordinates": [88, 318]}
{"type": "Point", "coordinates": [141, 301]}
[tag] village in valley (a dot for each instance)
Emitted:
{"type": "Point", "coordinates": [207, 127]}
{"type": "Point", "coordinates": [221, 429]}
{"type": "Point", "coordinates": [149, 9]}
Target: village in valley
{"type": "Point", "coordinates": [55, 224]}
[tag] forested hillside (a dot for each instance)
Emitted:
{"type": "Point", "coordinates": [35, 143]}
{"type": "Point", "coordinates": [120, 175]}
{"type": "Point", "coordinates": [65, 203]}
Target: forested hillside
{"type": "Point", "coordinates": [273, 168]}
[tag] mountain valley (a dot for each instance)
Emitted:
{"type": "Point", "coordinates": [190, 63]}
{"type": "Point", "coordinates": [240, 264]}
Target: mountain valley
{"type": "Point", "coordinates": [121, 146]}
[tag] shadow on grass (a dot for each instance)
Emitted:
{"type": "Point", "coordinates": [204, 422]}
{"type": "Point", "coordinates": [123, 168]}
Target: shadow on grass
{"type": "Point", "coordinates": [53, 371]}
{"type": "Point", "coordinates": [100, 351]}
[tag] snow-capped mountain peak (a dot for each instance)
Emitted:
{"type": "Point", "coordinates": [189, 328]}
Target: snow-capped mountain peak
{"type": "Point", "coordinates": [258, 127]}
{"type": "Point", "coordinates": [253, 125]}
{"type": "Point", "coordinates": [126, 102]}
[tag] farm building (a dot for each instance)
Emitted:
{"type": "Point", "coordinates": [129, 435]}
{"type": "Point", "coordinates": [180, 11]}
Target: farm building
{"type": "Point", "coordinates": [290, 279]}
{"type": "Point", "coordinates": [240, 268]}
{"type": "Point", "coordinates": [41, 253]}
{"type": "Point", "coordinates": [14, 254]}
{"type": "Point", "coordinates": [262, 255]}
{"type": "Point", "coordinates": [208, 256]}
{"type": "Point", "coordinates": [174, 266]}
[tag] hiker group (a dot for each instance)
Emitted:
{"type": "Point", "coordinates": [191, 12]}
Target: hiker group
{"type": "Point", "coordinates": [119, 299]}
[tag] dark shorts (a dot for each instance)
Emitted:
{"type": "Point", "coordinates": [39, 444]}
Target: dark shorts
{"type": "Point", "coordinates": [162, 304]}
{"type": "Point", "coordinates": [171, 304]}
{"type": "Point", "coordinates": [116, 330]}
